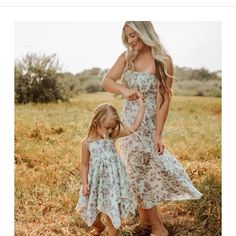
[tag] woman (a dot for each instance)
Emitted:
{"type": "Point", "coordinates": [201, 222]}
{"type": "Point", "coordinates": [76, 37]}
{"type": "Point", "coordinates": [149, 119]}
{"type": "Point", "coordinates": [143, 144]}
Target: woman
{"type": "Point", "coordinates": [146, 69]}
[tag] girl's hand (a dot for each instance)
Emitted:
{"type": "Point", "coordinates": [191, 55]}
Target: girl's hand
{"type": "Point", "coordinates": [159, 146]}
{"type": "Point", "coordinates": [85, 189]}
{"type": "Point", "coordinates": [130, 94]}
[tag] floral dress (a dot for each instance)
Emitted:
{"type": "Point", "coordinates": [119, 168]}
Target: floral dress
{"type": "Point", "coordinates": [109, 185]}
{"type": "Point", "coordinates": [154, 178]}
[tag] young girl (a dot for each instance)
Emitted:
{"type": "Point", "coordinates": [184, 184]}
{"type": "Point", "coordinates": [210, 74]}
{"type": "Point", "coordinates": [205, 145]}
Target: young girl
{"type": "Point", "coordinates": [105, 185]}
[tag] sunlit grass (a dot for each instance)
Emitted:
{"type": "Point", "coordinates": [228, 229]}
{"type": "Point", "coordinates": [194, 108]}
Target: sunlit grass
{"type": "Point", "coordinates": [47, 157]}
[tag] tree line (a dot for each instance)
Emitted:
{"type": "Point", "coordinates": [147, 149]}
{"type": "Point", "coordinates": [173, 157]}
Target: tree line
{"type": "Point", "coordinates": [39, 78]}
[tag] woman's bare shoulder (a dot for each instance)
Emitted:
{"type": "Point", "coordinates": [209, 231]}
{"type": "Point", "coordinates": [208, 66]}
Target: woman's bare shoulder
{"type": "Point", "coordinates": [118, 67]}
{"type": "Point", "coordinates": [123, 56]}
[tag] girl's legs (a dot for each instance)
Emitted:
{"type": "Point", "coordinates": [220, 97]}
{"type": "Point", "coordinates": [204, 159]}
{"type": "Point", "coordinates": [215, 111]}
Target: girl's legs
{"type": "Point", "coordinates": [153, 218]}
{"type": "Point", "coordinates": [112, 231]}
{"type": "Point", "coordinates": [98, 226]}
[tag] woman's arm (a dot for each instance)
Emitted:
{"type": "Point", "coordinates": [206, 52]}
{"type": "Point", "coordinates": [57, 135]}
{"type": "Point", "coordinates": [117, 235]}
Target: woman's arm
{"type": "Point", "coordinates": [114, 74]}
{"type": "Point", "coordinates": [138, 120]}
{"type": "Point", "coordinates": [84, 167]}
{"type": "Point", "coordinates": [162, 111]}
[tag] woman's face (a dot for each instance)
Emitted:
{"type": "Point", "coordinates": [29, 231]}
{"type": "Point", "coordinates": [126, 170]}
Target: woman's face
{"type": "Point", "coordinates": [133, 40]}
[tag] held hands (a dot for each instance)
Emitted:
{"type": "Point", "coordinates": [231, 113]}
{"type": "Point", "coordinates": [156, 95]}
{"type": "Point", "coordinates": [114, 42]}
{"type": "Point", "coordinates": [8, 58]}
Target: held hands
{"type": "Point", "coordinates": [159, 146]}
{"type": "Point", "coordinates": [141, 101]}
{"type": "Point", "coordinates": [85, 189]}
{"type": "Point", "coordinates": [131, 94]}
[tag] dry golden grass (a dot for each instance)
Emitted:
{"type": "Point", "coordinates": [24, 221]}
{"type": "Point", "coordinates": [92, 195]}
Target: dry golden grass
{"type": "Point", "coordinates": [47, 159]}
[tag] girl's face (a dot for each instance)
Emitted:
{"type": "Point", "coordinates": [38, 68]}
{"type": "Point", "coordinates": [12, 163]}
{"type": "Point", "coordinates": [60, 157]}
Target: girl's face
{"type": "Point", "coordinates": [133, 40]}
{"type": "Point", "coordinates": [107, 127]}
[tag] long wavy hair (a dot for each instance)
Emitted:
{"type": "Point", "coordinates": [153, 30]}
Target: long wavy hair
{"type": "Point", "coordinates": [146, 32]}
{"type": "Point", "coordinates": [100, 113]}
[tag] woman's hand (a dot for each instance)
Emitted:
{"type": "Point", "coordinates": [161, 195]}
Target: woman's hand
{"type": "Point", "coordinates": [85, 189]}
{"type": "Point", "coordinates": [130, 94]}
{"type": "Point", "coordinates": [159, 146]}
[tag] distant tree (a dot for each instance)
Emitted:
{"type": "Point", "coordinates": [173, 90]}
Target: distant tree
{"type": "Point", "coordinates": [37, 79]}
{"type": "Point", "coordinates": [202, 74]}
{"type": "Point", "coordinates": [92, 71]}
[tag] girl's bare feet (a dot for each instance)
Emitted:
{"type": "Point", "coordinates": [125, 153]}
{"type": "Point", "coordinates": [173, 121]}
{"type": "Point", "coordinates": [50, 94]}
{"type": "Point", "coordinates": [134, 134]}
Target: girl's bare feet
{"type": "Point", "coordinates": [112, 231]}
{"type": "Point", "coordinates": [96, 231]}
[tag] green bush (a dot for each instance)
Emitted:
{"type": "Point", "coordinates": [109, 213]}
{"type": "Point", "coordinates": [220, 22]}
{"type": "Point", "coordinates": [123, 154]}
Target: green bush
{"type": "Point", "coordinates": [37, 79]}
{"type": "Point", "coordinates": [91, 86]}
{"type": "Point", "coordinates": [197, 88]}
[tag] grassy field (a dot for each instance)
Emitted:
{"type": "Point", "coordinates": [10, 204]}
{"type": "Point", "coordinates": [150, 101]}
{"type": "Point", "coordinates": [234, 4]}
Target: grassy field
{"type": "Point", "coordinates": [47, 159]}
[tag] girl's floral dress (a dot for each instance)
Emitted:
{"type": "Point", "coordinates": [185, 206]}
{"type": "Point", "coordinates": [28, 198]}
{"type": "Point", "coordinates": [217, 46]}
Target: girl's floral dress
{"type": "Point", "coordinates": [154, 178]}
{"type": "Point", "coordinates": [110, 190]}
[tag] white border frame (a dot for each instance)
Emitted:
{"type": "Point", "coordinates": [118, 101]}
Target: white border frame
{"type": "Point", "coordinates": [8, 17]}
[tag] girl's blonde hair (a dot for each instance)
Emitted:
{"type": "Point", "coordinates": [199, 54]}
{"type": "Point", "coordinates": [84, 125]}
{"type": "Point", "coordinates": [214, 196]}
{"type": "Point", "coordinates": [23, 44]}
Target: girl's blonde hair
{"type": "Point", "coordinates": [100, 113]}
{"type": "Point", "coordinates": [146, 32]}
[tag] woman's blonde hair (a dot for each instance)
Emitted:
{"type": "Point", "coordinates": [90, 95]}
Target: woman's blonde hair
{"type": "Point", "coordinates": [100, 113]}
{"type": "Point", "coordinates": [146, 32]}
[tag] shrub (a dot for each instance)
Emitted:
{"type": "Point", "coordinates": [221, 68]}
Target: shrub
{"type": "Point", "coordinates": [91, 86]}
{"type": "Point", "coordinates": [37, 79]}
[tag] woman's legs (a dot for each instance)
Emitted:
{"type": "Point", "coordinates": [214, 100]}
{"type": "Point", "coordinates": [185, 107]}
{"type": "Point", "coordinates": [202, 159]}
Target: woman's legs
{"type": "Point", "coordinates": [112, 231]}
{"type": "Point", "coordinates": [144, 220]}
{"type": "Point", "coordinates": [152, 217]}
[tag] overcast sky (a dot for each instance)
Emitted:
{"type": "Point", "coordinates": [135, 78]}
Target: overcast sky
{"type": "Point", "coordinates": [83, 45]}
